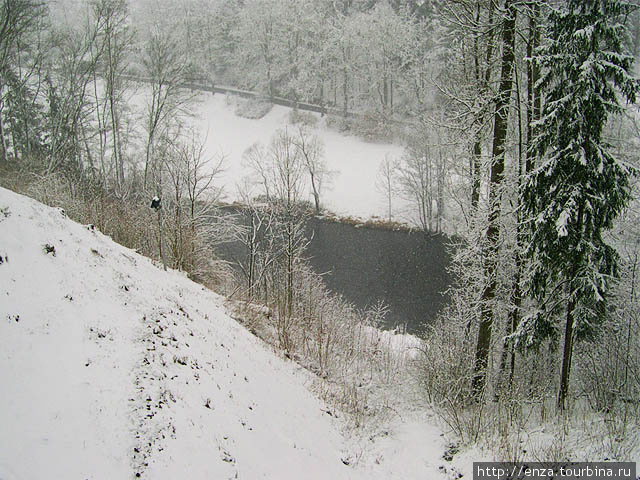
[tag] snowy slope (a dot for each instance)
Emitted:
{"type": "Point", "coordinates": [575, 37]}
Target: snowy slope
{"type": "Point", "coordinates": [111, 367]}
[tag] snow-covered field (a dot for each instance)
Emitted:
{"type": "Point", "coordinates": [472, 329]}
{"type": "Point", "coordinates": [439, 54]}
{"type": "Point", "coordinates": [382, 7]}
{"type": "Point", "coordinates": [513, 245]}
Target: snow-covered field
{"type": "Point", "coordinates": [355, 163]}
{"type": "Point", "coordinates": [111, 368]}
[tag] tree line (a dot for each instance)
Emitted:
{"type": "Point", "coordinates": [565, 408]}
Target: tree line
{"type": "Point", "coordinates": [542, 94]}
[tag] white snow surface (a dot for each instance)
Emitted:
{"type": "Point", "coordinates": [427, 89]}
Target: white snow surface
{"type": "Point", "coordinates": [354, 162]}
{"type": "Point", "coordinates": [111, 367]}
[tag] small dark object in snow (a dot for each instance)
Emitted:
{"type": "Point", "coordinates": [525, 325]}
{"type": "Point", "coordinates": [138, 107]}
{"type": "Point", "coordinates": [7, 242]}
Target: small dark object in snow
{"type": "Point", "coordinates": [62, 212]}
{"type": "Point", "coordinates": [156, 203]}
{"type": "Point", "coordinates": [49, 249]}
{"type": "Point", "coordinates": [208, 403]}
{"type": "Point", "coordinates": [346, 461]}
{"type": "Point", "coordinates": [91, 227]}
{"type": "Point", "coordinates": [125, 288]}
{"type": "Point", "coordinates": [452, 449]}
{"type": "Point", "coordinates": [180, 360]}
{"type": "Point", "coordinates": [4, 259]}
{"type": "Point", "coordinates": [226, 457]}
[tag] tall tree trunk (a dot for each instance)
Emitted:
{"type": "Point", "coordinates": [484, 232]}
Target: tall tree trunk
{"type": "Point", "coordinates": [345, 92]}
{"type": "Point", "coordinates": [476, 160]}
{"type": "Point", "coordinates": [316, 194]}
{"type": "Point", "coordinates": [567, 352]}
{"type": "Point", "coordinates": [532, 112]}
{"type": "Point", "coordinates": [483, 87]}
{"type": "Point", "coordinates": [497, 175]}
{"type": "Point", "coordinates": [515, 300]}
{"type": "Point", "coordinates": [3, 141]}
{"type": "Point", "coordinates": [115, 124]}
{"type": "Point", "coordinates": [385, 95]}
{"type": "Point", "coordinates": [534, 104]}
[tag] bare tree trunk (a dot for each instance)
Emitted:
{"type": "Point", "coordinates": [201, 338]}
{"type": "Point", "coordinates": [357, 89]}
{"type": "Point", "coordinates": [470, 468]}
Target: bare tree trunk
{"type": "Point", "coordinates": [497, 175]}
{"type": "Point", "coordinates": [3, 141]}
{"type": "Point", "coordinates": [476, 160]}
{"type": "Point", "coordinates": [483, 86]}
{"type": "Point", "coordinates": [385, 96]}
{"type": "Point", "coordinates": [515, 300]}
{"type": "Point", "coordinates": [345, 91]}
{"type": "Point", "coordinates": [113, 113]}
{"type": "Point", "coordinates": [534, 103]}
{"type": "Point", "coordinates": [161, 245]}
{"type": "Point", "coordinates": [532, 112]}
{"type": "Point", "coordinates": [567, 353]}
{"type": "Point", "coordinates": [316, 194]}
{"type": "Point", "coordinates": [440, 187]}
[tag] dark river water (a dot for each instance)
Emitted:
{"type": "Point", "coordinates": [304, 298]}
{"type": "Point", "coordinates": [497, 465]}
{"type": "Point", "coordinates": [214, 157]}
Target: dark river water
{"type": "Point", "coordinates": [405, 269]}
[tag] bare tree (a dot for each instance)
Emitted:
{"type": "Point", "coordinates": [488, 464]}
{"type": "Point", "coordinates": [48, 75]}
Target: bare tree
{"type": "Point", "coordinates": [20, 23]}
{"type": "Point", "coordinates": [386, 182]}
{"type": "Point", "coordinates": [280, 173]}
{"type": "Point", "coordinates": [311, 151]}
{"type": "Point", "coordinates": [68, 90]}
{"type": "Point", "coordinates": [496, 178]}
{"type": "Point", "coordinates": [165, 63]}
{"type": "Point", "coordinates": [116, 39]}
{"type": "Point", "coordinates": [254, 231]}
{"type": "Point", "coordinates": [190, 196]}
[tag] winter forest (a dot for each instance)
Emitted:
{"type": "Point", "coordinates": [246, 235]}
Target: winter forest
{"type": "Point", "coordinates": [517, 132]}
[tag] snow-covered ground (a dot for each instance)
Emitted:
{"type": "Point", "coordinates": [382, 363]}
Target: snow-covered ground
{"type": "Point", "coordinates": [354, 162]}
{"type": "Point", "coordinates": [111, 368]}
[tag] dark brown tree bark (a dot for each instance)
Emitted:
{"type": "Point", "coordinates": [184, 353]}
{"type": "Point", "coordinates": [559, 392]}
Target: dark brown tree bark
{"type": "Point", "coordinates": [534, 103]}
{"type": "Point", "coordinates": [496, 178]}
{"type": "Point", "coordinates": [567, 355]}
{"type": "Point", "coordinates": [482, 80]}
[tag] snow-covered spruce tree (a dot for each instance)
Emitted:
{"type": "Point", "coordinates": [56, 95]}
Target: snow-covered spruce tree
{"type": "Point", "coordinates": [579, 187]}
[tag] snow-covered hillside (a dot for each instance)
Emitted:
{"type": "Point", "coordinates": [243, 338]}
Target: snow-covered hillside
{"type": "Point", "coordinates": [112, 368]}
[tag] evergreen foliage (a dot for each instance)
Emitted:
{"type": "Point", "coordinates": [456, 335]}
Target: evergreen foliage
{"type": "Point", "coordinates": [579, 187]}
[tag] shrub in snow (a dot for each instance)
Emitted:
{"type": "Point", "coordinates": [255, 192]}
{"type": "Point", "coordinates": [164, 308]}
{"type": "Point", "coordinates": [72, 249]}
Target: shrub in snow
{"type": "Point", "coordinates": [303, 118]}
{"type": "Point", "coordinates": [253, 108]}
